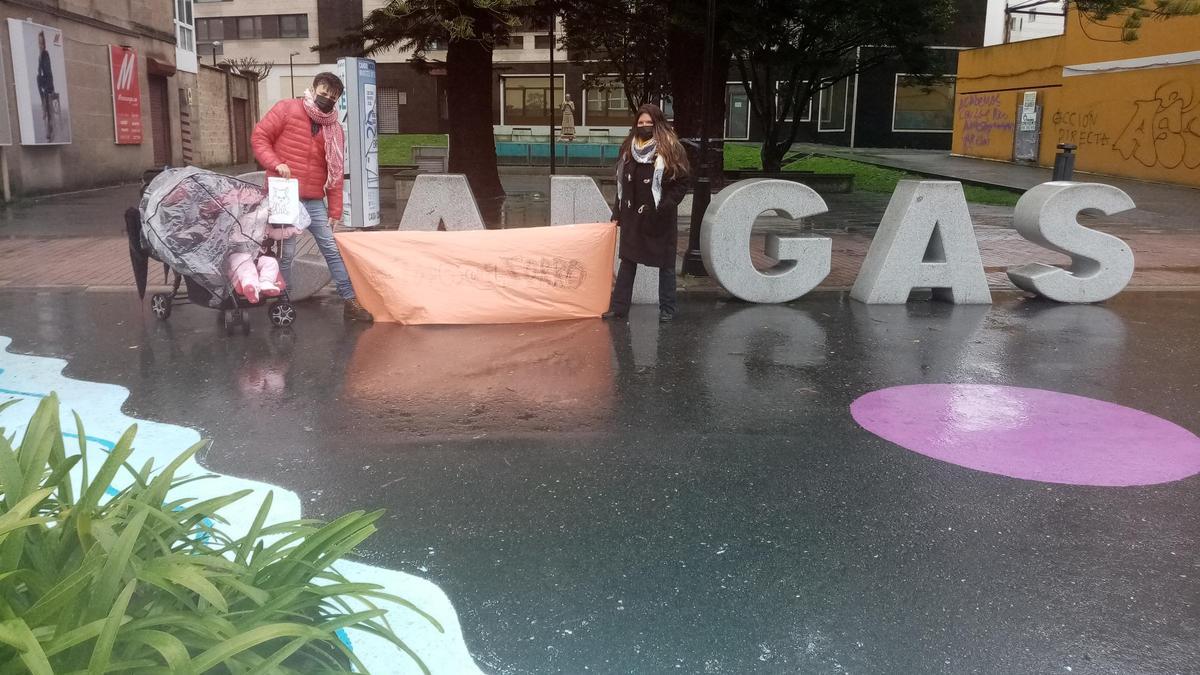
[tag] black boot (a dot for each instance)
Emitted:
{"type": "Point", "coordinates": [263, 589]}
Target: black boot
{"type": "Point", "coordinates": [353, 311]}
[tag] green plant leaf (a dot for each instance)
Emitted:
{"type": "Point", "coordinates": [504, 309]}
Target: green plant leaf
{"type": "Point", "coordinates": [157, 493]}
{"type": "Point", "coordinates": [255, 531]}
{"type": "Point", "coordinates": [108, 470]}
{"type": "Point", "coordinates": [250, 639]}
{"type": "Point", "coordinates": [171, 648]}
{"type": "Point", "coordinates": [17, 634]}
{"type": "Point", "coordinates": [75, 637]}
{"type": "Point", "coordinates": [108, 581]}
{"type": "Point", "coordinates": [191, 579]}
{"type": "Point", "coordinates": [6, 405]}
{"type": "Point", "coordinates": [17, 516]}
{"type": "Point", "coordinates": [82, 450]}
{"type": "Point", "coordinates": [12, 478]}
{"type": "Point", "coordinates": [102, 652]}
{"type": "Point", "coordinates": [66, 590]}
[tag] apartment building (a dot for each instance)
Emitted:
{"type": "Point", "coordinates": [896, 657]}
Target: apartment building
{"type": "Point", "coordinates": [885, 107]}
{"type": "Point", "coordinates": [280, 32]}
{"type": "Point", "coordinates": [1020, 20]}
{"type": "Point", "coordinates": [126, 93]}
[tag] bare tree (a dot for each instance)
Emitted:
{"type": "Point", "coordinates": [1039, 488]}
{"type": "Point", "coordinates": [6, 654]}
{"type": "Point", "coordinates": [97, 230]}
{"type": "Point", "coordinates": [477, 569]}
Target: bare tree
{"type": "Point", "coordinates": [250, 67]}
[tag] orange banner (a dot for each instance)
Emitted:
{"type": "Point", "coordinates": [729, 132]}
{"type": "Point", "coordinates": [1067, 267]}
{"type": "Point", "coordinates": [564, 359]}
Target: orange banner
{"type": "Point", "coordinates": [483, 276]}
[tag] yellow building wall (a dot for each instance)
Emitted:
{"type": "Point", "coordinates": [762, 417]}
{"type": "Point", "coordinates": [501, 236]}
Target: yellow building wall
{"type": "Point", "coordinates": [1142, 123]}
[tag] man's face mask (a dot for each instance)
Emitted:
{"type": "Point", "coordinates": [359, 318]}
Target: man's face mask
{"type": "Point", "coordinates": [324, 103]}
{"type": "Point", "coordinates": [645, 133]}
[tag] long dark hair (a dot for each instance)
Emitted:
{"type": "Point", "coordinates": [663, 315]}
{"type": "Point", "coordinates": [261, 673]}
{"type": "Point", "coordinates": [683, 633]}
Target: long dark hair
{"type": "Point", "coordinates": [667, 143]}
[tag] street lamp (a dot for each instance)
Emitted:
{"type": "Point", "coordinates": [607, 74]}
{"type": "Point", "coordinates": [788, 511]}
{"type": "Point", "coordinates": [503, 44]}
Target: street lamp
{"type": "Point", "coordinates": [292, 72]}
{"type": "Point", "coordinates": [693, 262]}
{"type": "Point", "coordinates": [214, 45]}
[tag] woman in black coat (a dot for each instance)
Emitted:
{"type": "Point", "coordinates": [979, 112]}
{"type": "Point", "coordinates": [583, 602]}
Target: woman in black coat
{"type": "Point", "coordinates": [652, 175]}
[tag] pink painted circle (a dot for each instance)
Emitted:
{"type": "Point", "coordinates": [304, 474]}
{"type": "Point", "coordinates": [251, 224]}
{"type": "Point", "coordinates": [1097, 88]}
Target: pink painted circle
{"type": "Point", "coordinates": [1032, 434]}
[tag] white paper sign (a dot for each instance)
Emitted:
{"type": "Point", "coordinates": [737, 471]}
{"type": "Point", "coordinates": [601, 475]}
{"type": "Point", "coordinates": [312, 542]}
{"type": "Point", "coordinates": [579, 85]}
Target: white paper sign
{"type": "Point", "coordinates": [284, 200]}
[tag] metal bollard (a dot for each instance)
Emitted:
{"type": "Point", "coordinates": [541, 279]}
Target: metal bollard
{"type": "Point", "coordinates": [1064, 162]}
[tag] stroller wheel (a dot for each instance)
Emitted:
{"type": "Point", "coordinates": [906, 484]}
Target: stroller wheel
{"type": "Point", "coordinates": [283, 314]}
{"type": "Point", "coordinates": [160, 304]}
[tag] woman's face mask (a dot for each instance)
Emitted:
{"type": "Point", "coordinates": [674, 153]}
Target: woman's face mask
{"type": "Point", "coordinates": [645, 133]}
{"type": "Point", "coordinates": [324, 103]}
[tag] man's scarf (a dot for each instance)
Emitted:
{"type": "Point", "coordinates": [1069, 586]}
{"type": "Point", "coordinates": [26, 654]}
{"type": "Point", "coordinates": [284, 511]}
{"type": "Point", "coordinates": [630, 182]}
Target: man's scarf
{"type": "Point", "coordinates": [335, 139]}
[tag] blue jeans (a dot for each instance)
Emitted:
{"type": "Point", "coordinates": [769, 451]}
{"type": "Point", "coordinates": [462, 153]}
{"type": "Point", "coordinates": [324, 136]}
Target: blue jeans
{"type": "Point", "coordinates": [323, 234]}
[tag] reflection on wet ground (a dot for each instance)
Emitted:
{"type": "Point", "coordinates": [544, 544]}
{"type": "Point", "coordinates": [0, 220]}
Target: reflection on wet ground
{"type": "Point", "coordinates": [634, 497]}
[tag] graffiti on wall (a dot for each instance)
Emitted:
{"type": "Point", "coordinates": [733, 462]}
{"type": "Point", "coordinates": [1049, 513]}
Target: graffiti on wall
{"type": "Point", "coordinates": [982, 115]}
{"type": "Point", "coordinates": [1080, 128]}
{"type": "Point", "coordinates": [1164, 131]}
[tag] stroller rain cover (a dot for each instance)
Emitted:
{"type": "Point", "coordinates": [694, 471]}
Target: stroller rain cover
{"type": "Point", "coordinates": [193, 219]}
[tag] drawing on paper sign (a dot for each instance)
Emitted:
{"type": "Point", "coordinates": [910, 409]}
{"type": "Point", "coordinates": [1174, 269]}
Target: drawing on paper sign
{"type": "Point", "coordinates": [1164, 130]}
{"type": "Point", "coordinates": [284, 204]}
{"type": "Point", "coordinates": [29, 379]}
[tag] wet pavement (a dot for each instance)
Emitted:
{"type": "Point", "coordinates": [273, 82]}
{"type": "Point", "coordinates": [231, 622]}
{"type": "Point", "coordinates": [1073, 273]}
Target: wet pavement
{"type": "Point", "coordinates": [697, 497]}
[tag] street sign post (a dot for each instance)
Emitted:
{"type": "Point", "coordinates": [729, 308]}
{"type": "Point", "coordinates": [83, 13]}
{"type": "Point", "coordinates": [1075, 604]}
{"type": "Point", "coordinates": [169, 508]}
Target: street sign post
{"type": "Point", "coordinates": [357, 110]}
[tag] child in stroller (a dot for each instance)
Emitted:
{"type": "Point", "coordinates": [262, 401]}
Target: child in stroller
{"type": "Point", "coordinates": [213, 232]}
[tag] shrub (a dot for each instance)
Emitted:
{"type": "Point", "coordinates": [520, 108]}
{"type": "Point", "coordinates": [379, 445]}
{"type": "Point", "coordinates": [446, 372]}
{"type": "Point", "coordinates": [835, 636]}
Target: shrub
{"type": "Point", "coordinates": [143, 581]}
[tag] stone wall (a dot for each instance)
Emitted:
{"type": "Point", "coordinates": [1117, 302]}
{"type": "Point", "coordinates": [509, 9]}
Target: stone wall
{"type": "Point", "coordinates": [213, 127]}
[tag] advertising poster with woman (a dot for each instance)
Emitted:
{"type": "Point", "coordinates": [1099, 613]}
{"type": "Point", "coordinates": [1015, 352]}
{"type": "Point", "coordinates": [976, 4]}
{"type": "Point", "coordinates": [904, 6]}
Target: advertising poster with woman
{"type": "Point", "coordinates": [40, 80]}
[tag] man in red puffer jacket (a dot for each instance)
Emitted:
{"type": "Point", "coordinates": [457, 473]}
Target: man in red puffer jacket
{"type": "Point", "coordinates": [301, 138]}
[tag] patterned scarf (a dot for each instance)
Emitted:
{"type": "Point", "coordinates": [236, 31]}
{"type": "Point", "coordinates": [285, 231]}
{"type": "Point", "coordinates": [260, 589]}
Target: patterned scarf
{"type": "Point", "coordinates": [335, 139]}
{"type": "Point", "coordinates": [645, 154]}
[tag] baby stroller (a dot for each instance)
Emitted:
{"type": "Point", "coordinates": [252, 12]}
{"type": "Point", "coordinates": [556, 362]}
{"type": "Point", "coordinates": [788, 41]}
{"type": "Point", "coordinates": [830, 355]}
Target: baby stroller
{"type": "Point", "coordinates": [205, 227]}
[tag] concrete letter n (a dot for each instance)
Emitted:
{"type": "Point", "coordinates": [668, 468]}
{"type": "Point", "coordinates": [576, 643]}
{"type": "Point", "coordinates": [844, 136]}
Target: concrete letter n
{"type": "Point", "coordinates": [925, 240]}
{"type": "Point", "coordinates": [725, 241]}
{"type": "Point", "coordinates": [576, 199]}
{"type": "Point", "coordinates": [1101, 264]}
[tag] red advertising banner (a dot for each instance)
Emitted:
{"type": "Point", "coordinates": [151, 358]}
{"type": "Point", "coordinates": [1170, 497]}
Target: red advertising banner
{"type": "Point", "coordinates": [127, 95]}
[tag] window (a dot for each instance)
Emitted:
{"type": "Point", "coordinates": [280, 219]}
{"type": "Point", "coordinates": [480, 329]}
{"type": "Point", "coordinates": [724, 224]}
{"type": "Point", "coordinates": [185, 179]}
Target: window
{"type": "Point", "coordinates": [737, 111]}
{"type": "Point", "coordinates": [923, 106]}
{"type": "Point", "coordinates": [270, 26]}
{"type": "Point", "coordinates": [389, 110]}
{"type": "Point", "coordinates": [184, 25]}
{"type": "Point", "coordinates": [249, 27]}
{"type": "Point", "coordinates": [538, 24]}
{"type": "Point", "coordinates": [541, 42]}
{"type": "Point", "coordinates": [293, 25]}
{"type": "Point", "coordinates": [806, 116]}
{"type": "Point", "coordinates": [668, 108]}
{"type": "Point", "coordinates": [527, 99]}
{"type": "Point", "coordinates": [210, 30]}
{"type": "Point", "coordinates": [834, 100]}
{"type": "Point", "coordinates": [185, 36]}
{"type": "Point", "coordinates": [510, 42]}
{"type": "Point", "coordinates": [606, 105]}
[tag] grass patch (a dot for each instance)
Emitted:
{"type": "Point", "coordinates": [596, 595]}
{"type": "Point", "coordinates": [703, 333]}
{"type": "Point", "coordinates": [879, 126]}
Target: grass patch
{"type": "Point", "coordinates": [397, 148]}
{"type": "Point", "coordinates": [742, 158]}
{"type": "Point", "coordinates": [867, 177]}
